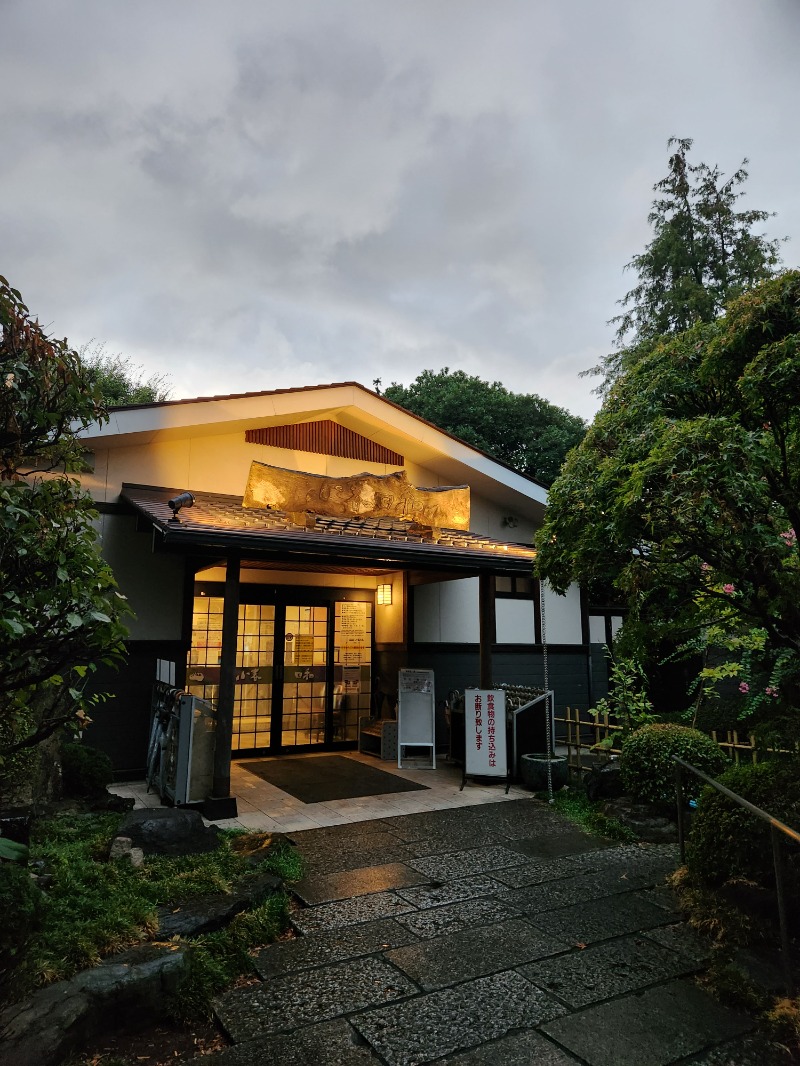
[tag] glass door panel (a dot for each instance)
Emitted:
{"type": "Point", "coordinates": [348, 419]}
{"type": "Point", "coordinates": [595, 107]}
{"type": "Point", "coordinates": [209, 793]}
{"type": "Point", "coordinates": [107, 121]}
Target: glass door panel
{"type": "Point", "coordinates": [252, 702]}
{"type": "Point", "coordinates": [202, 673]}
{"type": "Point", "coordinates": [352, 644]}
{"type": "Point", "coordinates": [313, 692]}
{"type": "Point", "coordinates": [255, 649]}
{"type": "Point", "coordinates": [305, 681]}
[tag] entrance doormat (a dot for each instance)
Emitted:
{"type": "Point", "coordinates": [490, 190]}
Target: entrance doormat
{"type": "Point", "coordinates": [328, 777]}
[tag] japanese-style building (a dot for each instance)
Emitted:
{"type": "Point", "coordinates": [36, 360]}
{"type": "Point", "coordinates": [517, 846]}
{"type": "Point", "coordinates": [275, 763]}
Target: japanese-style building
{"type": "Point", "coordinates": [290, 550]}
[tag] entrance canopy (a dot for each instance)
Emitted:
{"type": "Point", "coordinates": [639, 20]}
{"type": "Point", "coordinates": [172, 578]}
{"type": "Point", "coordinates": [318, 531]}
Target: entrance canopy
{"type": "Point", "coordinates": [302, 637]}
{"type": "Point", "coordinates": [218, 524]}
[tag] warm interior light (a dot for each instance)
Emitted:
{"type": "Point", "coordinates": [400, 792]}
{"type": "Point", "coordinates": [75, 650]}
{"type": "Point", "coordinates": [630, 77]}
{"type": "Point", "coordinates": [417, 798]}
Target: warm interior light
{"type": "Point", "coordinates": [384, 594]}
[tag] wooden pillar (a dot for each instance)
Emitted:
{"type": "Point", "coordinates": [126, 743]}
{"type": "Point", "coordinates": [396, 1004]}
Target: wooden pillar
{"type": "Point", "coordinates": [227, 680]}
{"type": "Point", "coordinates": [487, 628]}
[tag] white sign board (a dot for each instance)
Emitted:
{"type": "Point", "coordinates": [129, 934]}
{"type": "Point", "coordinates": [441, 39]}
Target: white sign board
{"type": "Point", "coordinates": [485, 717]}
{"type": "Point", "coordinates": [416, 713]}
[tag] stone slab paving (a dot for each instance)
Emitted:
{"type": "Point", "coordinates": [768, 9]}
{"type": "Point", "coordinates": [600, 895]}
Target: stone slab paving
{"type": "Point", "coordinates": [536, 873]}
{"type": "Point", "coordinates": [333, 1043]}
{"type": "Point", "coordinates": [423, 1029]}
{"type": "Point", "coordinates": [350, 912]}
{"type": "Point", "coordinates": [331, 945]}
{"type": "Point", "coordinates": [583, 888]}
{"type": "Point", "coordinates": [601, 919]}
{"type": "Point", "coordinates": [339, 860]}
{"type": "Point", "coordinates": [527, 1048]}
{"type": "Point", "coordinates": [607, 970]}
{"type": "Point", "coordinates": [525, 944]}
{"type": "Point", "coordinates": [465, 914]}
{"type": "Point", "coordinates": [680, 939]}
{"type": "Point", "coordinates": [438, 894]}
{"type": "Point", "coordinates": [559, 845]}
{"type": "Point", "coordinates": [296, 1000]}
{"type": "Point", "coordinates": [473, 952]}
{"type": "Point", "coordinates": [652, 1028]}
{"type": "Point", "coordinates": [469, 861]}
{"type": "Point", "coordinates": [326, 888]}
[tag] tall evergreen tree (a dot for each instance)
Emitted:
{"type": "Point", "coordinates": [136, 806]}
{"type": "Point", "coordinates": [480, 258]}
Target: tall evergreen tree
{"type": "Point", "coordinates": [704, 253]}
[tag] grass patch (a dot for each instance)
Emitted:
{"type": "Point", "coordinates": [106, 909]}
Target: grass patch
{"type": "Point", "coordinates": [575, 805]}
{"type": "Point", "coordinates": [217, 959]}
{"type": "Point", "coordinates": [95, 907]}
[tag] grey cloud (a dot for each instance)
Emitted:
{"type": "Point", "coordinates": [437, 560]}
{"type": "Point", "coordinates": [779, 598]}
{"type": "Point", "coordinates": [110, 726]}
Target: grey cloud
{"type": "Point", "coordinates": [316, 191]}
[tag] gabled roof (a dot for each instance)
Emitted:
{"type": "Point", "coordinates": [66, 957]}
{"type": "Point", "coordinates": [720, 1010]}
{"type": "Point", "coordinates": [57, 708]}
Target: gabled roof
{"type": "Point", "coordinates": [349, 404]}
{"type": "Point", "coordinates": [218, 523]}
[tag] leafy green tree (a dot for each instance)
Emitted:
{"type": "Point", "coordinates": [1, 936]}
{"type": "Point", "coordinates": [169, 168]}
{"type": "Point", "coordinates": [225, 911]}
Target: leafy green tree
{"type": "Point", "coordinates": [524, 431]}
{"type": "Point", "coordinates": [704, 253]}
{"type": "Point", "coordinates": [120, 381]}
{"type": "Point", "coordinates": [685, 492]}
{"type": "Point", "coordinates": [59, 608]}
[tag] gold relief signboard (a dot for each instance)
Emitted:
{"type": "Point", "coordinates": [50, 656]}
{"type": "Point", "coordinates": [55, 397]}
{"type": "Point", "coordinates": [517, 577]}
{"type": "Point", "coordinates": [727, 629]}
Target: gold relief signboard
{"type": "Point", "coordinates": [359, 496]}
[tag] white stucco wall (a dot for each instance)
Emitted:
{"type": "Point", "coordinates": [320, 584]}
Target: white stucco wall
{"type": "Point", "coordinates": [515, 622]}
{"type": "Point", "coordinates": [563, 616]}
{"type": "Point", "coordinates": [597, 628]}
{"type": "Point", "coordinates": [447, 612]}
{"type": "Point", "coordinates": [220, 462]}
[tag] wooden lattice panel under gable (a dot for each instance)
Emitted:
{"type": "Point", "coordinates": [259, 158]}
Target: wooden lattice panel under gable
{"type": "Point", "coordinates": [325, 438]}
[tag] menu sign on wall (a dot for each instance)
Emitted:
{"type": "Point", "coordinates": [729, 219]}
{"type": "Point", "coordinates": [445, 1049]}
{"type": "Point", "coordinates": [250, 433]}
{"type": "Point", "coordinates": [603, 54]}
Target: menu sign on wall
{"type": "Point", "coordinates": [303, 649]}
{"type": "Point", "coordinates": [485, 717]}
{"type": "Point", "coordinates": [353, 634]}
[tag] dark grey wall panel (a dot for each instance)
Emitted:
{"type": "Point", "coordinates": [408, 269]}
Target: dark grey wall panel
{"type": "Point", "coordinates": [568, 670]}
{"type": "Point", "coordinates": [121, 725]}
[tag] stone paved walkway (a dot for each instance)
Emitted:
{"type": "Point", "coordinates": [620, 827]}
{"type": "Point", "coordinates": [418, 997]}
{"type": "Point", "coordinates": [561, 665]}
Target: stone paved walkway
{"type": "Point", "coordinates": [496, 935]}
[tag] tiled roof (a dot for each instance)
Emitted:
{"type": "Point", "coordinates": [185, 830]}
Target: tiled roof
{"type": "Point", "coordinates": [218, 521]}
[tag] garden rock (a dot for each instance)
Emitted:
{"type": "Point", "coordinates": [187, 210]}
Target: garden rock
{"type": "Point", "coordinates": [208, 913]}
{"type": "Point", "coordinates": [604, 781]}
{"type": "Point", "coordinates": [646, 821]}
{"type": "Point", "coordinates": [56, 1020]}
{"type": "Point", "coordinates": [122, 848]}
{"type": "Point", "coordinates": [16, 825]}
{"type": "Point", "coordinates": [168, 831]}
{"type": "Point", "coordinates": [109, 801]}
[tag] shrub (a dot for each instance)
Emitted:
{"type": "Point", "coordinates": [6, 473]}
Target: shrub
{"type": "Point", "coordinates": [648, 771]}
{"type": "Point", "coordinates": [727, 842]}
{"type": "Point", "coordinates": [85, 771]}
{"type": "Point", "coordinates": [23, 903]}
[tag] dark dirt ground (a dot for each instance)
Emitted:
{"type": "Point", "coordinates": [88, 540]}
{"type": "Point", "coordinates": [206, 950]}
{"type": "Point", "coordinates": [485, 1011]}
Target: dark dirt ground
{"type": "Point", "coordinates": [157, 1045]}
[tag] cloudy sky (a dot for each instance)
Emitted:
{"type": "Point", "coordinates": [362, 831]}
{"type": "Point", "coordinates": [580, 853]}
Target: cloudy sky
{"type": "Point", "coordinates": [262, 194]}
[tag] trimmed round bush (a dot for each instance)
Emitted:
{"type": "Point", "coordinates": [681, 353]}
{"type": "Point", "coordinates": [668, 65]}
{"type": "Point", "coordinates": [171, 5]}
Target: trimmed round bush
{"type": "Point", "coordinates": [85, 771]}
{"type": "Point", "coordinates": [648, 771]}
{"type": "Point", "coordinates": [727, 842]}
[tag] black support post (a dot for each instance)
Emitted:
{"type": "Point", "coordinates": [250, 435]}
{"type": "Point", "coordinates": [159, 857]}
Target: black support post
{"type": "Point", "coordinates": [487, 628]}
{"type": "Point", "coordinates": [227, 680]}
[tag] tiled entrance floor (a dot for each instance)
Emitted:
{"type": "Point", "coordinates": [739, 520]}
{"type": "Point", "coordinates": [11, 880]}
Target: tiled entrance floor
{"type": "Point", "coordinates": [265, 808]}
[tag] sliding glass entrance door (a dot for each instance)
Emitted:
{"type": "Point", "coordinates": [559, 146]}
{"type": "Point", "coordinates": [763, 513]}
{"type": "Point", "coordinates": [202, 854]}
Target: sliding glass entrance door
{"type": "Point", "coordinates": [305, 676]}
{"type": "Point", "coordinates": [303, 670]}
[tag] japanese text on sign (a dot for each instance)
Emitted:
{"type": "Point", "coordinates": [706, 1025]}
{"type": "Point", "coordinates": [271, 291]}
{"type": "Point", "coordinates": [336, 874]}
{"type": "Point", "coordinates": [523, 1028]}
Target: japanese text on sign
{"type": "Point", "coordinates": [485, 717]}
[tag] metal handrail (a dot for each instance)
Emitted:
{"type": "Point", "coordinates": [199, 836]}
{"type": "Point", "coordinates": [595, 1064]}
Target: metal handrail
{"type": "Point", "coordinates": [776, 828]}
